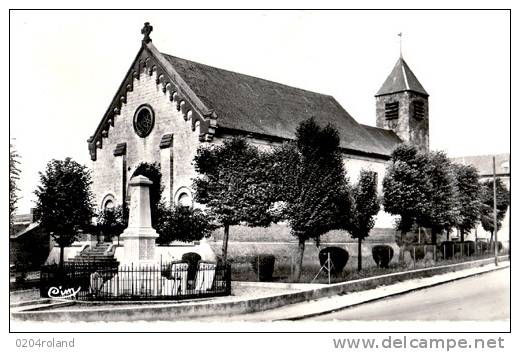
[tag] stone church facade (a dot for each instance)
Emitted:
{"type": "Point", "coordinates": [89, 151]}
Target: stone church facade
{"type": "Point", "coordinates": [166, 107]}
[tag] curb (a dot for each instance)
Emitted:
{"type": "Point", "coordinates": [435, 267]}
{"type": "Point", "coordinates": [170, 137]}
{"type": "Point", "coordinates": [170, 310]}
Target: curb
{"type": "Point", "coordinates": [418, 288]}
{"type": "Point", "coordinates": [227, 308]}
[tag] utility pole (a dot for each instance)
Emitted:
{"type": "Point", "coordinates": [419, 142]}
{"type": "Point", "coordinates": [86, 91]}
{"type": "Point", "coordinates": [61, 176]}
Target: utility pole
{"type": "Point", "coordinates": [495, 232]}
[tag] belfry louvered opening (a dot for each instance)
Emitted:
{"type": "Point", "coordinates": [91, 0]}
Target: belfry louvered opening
{"type": "Point", "coordinates": [418, 109]}
{"type": "Point", "coordinates": [392, 110]}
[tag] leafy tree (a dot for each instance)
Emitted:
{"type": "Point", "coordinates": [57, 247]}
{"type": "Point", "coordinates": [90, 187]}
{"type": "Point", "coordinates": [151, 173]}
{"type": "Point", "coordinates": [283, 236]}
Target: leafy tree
{"type": "Point", "coordinates": [186, 224]}
{"type": "Point", "coordinates": [469, 190]}
{"type": "Point", "coordinates": [405, 189]}
{"type": "Point", "coordinates": [14, 176]}
{"type": "Point", "coordinates": [64, 204]}
{"type": "Point", "coordinates": [443, 207]}
{"type": "Point", "coordinates": [486, 210]}
{"type": "Point", "coordinates": [365, 208]}
{"type": "Point", "coordinates": [233, 186]}
{"type": "Point", "coordinates": [311, 185]}
{"type": "Point", "coordinates": [112, 221]}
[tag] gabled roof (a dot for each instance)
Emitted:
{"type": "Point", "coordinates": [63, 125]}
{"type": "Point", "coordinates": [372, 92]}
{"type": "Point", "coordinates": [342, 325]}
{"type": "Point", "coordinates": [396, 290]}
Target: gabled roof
{"type": "Point", "coordinates": [484, 163]}
{"type": "Point", "coordinates": [255, 105]}
{"type": "Point", "coordinates": [224, 101]}
{"type": "Point", "coordinates": [401, 79]}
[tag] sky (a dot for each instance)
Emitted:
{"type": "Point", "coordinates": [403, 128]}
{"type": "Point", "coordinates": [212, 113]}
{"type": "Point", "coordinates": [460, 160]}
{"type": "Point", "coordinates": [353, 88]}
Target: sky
{"type": "Point", "coordinates": [65, 67]}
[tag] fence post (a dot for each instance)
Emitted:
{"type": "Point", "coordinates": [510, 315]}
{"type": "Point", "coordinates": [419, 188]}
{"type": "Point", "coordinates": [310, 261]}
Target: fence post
{"type": "Point", "coordinates": [444, 252]}
{"type": "Point", "coordinates": [414, 257]}
{"type": "Point", "coordinates": [228, 280]}
{"type": "Point", "coordinates": [258, 267]}
{"type": "Point", "coordinates": [292, 259]}
{"type": "Point", "coordinates": [328, 263]}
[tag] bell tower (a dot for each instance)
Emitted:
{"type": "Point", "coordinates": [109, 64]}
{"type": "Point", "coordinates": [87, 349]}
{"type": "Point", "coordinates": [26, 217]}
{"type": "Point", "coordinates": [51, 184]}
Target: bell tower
{"type": "Point", "coordinates": [402, 106]}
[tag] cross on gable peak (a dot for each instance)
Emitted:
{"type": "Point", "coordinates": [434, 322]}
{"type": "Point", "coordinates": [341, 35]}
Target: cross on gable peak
{"type": "Point", "coordinates": [147, 29]}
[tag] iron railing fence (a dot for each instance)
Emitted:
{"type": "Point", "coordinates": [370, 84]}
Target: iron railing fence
{"type": "Point", "coordinates": [102, 282]}
{"type": "Point", "coordinates": [451, 250]}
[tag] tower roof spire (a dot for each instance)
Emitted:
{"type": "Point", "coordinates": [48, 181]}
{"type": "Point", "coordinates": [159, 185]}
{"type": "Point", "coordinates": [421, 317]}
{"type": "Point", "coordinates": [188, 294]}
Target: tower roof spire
{"type": "Point", "coordinates": [401, 79]}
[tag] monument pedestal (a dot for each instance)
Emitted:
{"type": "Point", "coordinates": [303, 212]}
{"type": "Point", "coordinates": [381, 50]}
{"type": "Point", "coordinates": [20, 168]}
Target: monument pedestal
{"type": "Point", "coordinates": [139, 246]}
{"type": "Point", "coordinates": [139, 237]}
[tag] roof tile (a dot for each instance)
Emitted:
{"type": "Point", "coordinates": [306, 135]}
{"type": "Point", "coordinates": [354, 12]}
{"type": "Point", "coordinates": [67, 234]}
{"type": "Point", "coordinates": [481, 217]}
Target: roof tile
{"type": "Point", "coordinates": [260, 106]}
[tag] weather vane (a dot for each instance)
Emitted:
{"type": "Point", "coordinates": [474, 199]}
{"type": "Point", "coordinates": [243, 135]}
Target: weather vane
{"type": "Point", "coordinates": [400, 34]}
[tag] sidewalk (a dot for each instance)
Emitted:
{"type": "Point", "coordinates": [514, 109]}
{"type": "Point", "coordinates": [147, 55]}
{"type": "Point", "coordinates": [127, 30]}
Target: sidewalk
{"type": "Point", "coordinates": [241, 291]}
{"type": "Point", "coordinates": [329, 304]}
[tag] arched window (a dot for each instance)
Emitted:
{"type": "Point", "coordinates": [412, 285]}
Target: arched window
{"type": "Point", "coordinates": [184, 197]}
{"type": "Point", "coordinates": [108, 202]}
{"type": "Point", "coordinates": [184, 200]}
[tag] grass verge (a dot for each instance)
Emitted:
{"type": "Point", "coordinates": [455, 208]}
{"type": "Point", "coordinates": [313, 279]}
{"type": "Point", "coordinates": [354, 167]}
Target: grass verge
{"type": "Point", "coordinates": [283, 272]}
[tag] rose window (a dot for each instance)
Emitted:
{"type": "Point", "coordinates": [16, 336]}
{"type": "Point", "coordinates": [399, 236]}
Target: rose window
{"type": "Point", "coordinates": [143, 120]}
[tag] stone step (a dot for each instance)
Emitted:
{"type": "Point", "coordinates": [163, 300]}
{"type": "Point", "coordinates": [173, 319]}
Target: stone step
{"type": "Point", "coordinates": [98, 254]}
{"type": "Point", "coordinates": [93, 259]}
{"type": "Point", "coordinates": [86, 259]}
{"type": "Point", "coordinates": [97, 251]}
{"type": "Point", "coordinates": [101, 247]}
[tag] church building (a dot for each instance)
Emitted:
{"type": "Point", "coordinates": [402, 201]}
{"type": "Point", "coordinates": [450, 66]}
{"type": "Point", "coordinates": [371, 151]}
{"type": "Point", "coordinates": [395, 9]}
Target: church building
{"type": "Point", "coordinates": [166, 107]}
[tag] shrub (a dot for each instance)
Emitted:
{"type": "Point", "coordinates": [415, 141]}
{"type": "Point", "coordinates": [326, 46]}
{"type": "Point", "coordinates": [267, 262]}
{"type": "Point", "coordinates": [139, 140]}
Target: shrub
{"type": "Point", "coordinates": [419, 252]}
{"type": "Point", "coordinates": [21, 277]}
{"type": "Point", "coordinates": [488, 247]}
{"type": "Point", "coordinates": [263, 266]}
{"type": "Point", "coordinates": [338, 257]}
{"type": "Point", "coordinates": [193, 261]}
{"type": "Point", "coordinates": [180, 223]}
{"type": "Point", "coordinates": [468, 248]}
{"type": "Point", "coordinates": [482, 246]}
{"type": "Point", "coordinates": [447, 249]}
{"type": "Point", "coordinates": [382, 255]}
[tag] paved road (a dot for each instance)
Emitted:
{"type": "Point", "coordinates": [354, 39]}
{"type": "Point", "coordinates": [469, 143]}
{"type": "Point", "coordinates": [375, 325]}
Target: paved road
{"type": "Point", "coordinates": [483, 297]}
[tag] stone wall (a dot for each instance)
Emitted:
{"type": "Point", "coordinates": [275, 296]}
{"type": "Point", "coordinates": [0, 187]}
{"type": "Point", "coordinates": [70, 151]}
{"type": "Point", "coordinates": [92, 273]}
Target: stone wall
{"type": "Point", "coordinates": [354, 165]}
{"type": "Point", "coordinates": [176, 161]}
{"type": "Point", "coordinates": [405, 126]}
